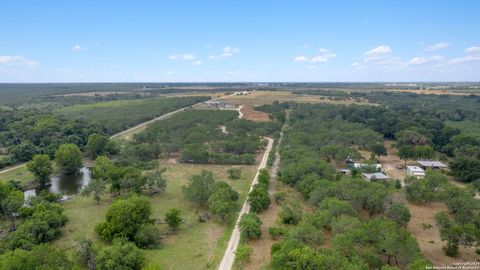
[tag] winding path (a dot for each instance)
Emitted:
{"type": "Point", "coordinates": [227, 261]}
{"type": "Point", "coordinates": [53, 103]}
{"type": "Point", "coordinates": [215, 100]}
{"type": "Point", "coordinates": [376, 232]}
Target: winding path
{"type": "Point", "coordinates": [229, 256]}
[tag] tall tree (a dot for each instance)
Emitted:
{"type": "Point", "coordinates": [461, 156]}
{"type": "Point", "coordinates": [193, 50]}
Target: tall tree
{"type": "Point", "coordinates": [68, 158]}
{"type": "Point", "coordinates": [41, 167]}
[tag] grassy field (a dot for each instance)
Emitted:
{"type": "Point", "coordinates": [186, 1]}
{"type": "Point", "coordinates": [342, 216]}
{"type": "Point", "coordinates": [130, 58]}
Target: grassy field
{"type": "Point", "coordinates": [196, 245]}
{"type": "Point", "coordinates": [465, 126]}
{"type": "Point", "coordinates": [19, 174]}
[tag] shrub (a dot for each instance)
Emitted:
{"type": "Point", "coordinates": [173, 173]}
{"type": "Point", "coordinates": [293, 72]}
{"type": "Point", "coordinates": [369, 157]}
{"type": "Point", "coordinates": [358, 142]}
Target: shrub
{"type": "Point", "coordinates": [250, 226]}
{"type": "Point", "coordinates": [234, 173]}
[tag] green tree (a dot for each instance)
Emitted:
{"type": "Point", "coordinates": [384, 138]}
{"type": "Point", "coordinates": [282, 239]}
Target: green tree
{"type": "Point", "coordinates": [399, 213]}
{"type": "Point", "coordinates": [378, 149]}
{"type": "Point", "coordinates": [12, 203]}
{"type": "Point", "coordinates": [101, 168]}
{"type": "Point", "coordinates": [96, 188]}
{"type": "Point", "coordinates": [259, 199]}
{"type": "Point", "coordinates": [250, 226]}
{"type": "Point", "coordinates": [155, 182]}
{"type": "Point", "coordinates": [124, 218]}
{"type": "Point", "coordinates": [466, 169]}
{"type": "Point", "coordinates": [199, 188]}
{"type": "Point", "coordinates": [120, 255]}
{"type": "Point", "coordinates": [406, 152]}
{"type": "Point", "coordinates": [97, 145]}
{"type": "Point", "coordinates": [307, 234]}
{"type": "Point", "coordinates": [222, 200]}
{"type": "Point", "coordinates": [173, 218]}
{"type": "Point", "coordinates": [423, 152]}
{"type": "Point", "coordinates": [41, 167]}
{"type": "Point", "coordinates": [42, 257]}
{"type": "Point", "coordinates": [68, 158]}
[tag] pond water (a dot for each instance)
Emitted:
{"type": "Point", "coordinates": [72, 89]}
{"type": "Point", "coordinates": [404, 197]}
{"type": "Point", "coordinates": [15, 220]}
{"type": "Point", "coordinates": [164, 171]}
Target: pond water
{"type": "Point", "coordinates": [66, 184]}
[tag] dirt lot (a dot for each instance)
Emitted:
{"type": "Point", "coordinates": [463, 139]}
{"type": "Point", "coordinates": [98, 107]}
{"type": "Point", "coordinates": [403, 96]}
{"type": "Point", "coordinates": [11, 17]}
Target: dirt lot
{"type": "Point", "coordinates": [250, 113]}
{"type": "Point", "coordinates": [429, 238]}
{"type": "Point", "coordinates": [390, 162]}
{"type": "Point", "coordinates": [257, 98]}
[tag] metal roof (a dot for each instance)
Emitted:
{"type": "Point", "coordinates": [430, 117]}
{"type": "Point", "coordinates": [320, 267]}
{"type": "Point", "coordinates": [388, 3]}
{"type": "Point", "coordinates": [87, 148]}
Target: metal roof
{"type": "Point", "coordinates": [377, 175]}
{"type": "Point", "coordinates": [432, 163]}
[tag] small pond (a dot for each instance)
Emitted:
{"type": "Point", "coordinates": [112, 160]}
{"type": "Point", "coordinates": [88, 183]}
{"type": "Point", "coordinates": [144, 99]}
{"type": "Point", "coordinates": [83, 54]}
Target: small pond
{"type": "Point", "coordinates": [66, 184]}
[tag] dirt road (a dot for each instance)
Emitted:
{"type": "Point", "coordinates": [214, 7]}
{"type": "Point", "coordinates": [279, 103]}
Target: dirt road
{"type": "Point", "coordinates": [229, 256]}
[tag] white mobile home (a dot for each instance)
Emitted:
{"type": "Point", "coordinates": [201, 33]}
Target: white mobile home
{"type": "Point", "coordinates": [415, 171]}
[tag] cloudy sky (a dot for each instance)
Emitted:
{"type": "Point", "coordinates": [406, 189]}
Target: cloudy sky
{"type": "Point", "coordinates": [212, 41]}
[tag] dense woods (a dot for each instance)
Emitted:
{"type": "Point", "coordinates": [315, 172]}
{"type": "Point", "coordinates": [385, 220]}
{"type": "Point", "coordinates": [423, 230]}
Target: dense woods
{"type": "Point", "coordinates": [31, 131]}
{"type": "Point", "coordinates": [198, 137]}
{"type": "Point", "coordinates": [318, 138]}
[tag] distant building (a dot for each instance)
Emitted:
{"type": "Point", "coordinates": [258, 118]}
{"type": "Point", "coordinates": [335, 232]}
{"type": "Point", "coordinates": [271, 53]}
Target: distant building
{"type": "Point", "coordinates": [374, 176]}
{"type": "Point", "coordinates": [217, 104]}
{"type": "Point", "coordinates": [242, 93]}
{"type": "Point", "coordinates": [377, 166]}
{"type": "Point", "coordinates": [415, 171]}
{"type": "Point", "coordinates": [431, 164]}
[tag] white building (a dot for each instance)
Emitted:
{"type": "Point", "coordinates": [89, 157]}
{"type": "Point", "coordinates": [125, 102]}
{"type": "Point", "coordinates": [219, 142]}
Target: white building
{"type": "Point", "coordinates": [378, 167]}
{"type": "Point", "coordinates": [415, 171]}
{"type": "Point", "coordinates": [374, 176]}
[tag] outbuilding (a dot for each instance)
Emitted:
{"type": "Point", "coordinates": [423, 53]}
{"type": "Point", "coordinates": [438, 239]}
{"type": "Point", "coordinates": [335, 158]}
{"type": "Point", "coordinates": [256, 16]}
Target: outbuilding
{"type": "Point", "coordinates": [378, 167]}
{"type": "Point", "coordinates": [374, 176]}
{"type": "Point", "coordinates": [415, 171]}
{"type": "Point", "coordinates": [431, 164]}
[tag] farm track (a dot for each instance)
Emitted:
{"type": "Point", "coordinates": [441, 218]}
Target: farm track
{"type": "Point", "coordinates": [229, 256]}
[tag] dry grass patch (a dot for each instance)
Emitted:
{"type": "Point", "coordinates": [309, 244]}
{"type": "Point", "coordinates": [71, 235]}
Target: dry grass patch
{"type": "Point", "coordinates": [257, 98]}
{"type": "Point", "coordinates": [250, 113]}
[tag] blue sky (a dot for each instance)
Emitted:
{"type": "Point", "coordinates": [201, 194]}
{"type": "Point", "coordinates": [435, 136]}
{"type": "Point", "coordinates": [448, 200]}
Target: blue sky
{"type": "Point", "coordinates": [215, 41]}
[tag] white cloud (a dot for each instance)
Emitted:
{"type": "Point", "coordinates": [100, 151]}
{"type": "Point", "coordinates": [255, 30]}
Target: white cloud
{"type": "Point", "coordinates": [473, 49]}
{"type": "Point", "coordinates": [78, 48]}
{"type": "Point", "coordinates": [229, 51]}
{"type": "Point", "coordinates": [184, 56]}
{"type": "Point", "coordinates": [323, 56]}
{"type": "Point", "coordinates": [170, 72]}
{"type": "Point", "coordinates": [436, 47]}
{"type": "Point", "coordinates": [319, 59]}
{"type": "Point", "coordinates": [380, 50]}
{"type": "Point", "coordinates": [301, 58]}
{"type": "Point", "coordinates": [197, 63]}
{"type": "Point", "coordinates": [466, 59]}
{"type": "Point", "coordinates": [226, 52]}
{"type": "Point", "coordinates": [17, 61]}
{"type": "Point", "coordinates": [416, 61]}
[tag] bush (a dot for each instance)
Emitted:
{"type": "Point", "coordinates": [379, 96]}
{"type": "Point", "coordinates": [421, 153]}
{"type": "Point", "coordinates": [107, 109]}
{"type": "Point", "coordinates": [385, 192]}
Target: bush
{"type": "Point", "coordinates": [146, 236]}
{"type": "Point", "coordinates": [290, 214]}
{"type": "Point", "coordinates": [277, 232]}
{"type": "Point", "coordinates": [242, 255]}
{"type": "Point", "coordinates": [280, 197]}
{"type": "Point", "coordinates": [120, 255]}
{"type": "Point", "coordinates": [250, 226]}
{"type": "Point", "coordinates": [173, 218]}
{"type": "Point", "coordinates": [259, 199]}
{"type": "Point", "coordinates": [234, 173]}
